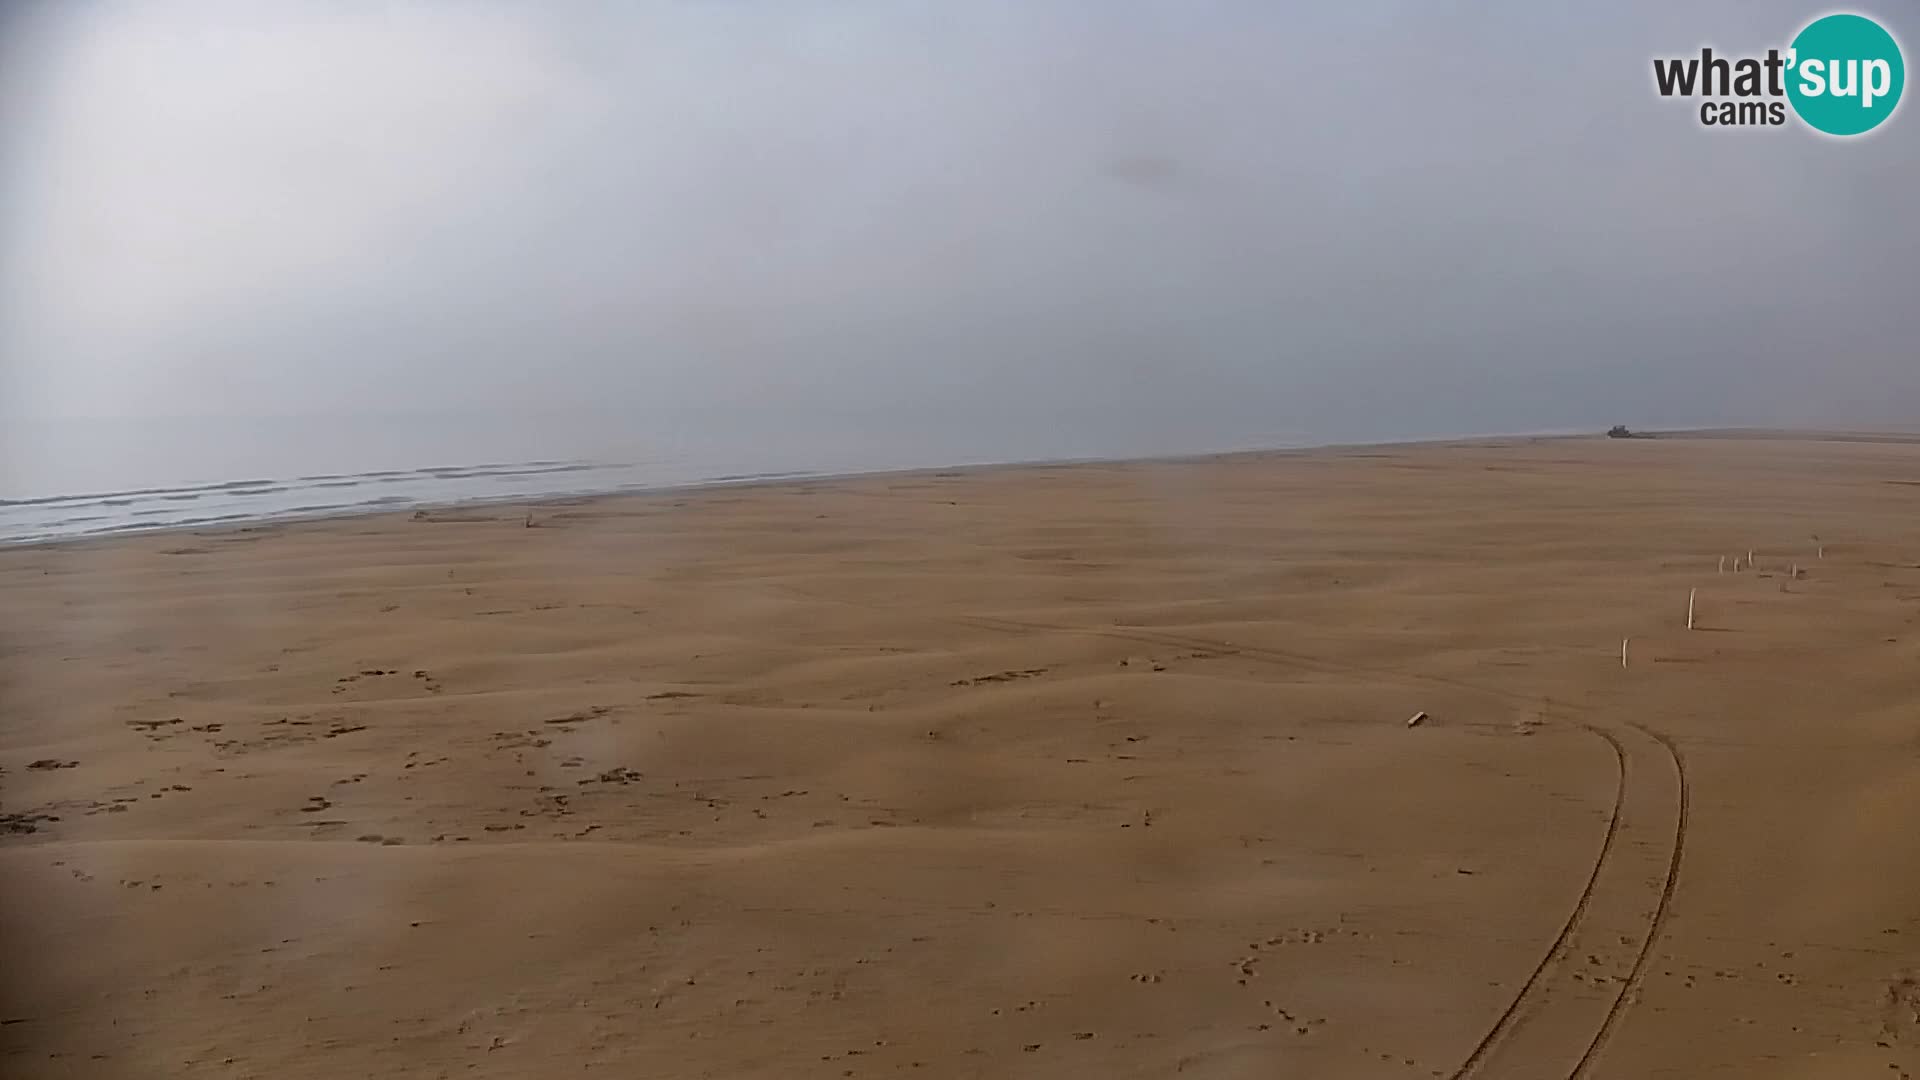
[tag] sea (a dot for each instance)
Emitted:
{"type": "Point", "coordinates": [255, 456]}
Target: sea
{"type": "Point", "coordinates": [71, 478]}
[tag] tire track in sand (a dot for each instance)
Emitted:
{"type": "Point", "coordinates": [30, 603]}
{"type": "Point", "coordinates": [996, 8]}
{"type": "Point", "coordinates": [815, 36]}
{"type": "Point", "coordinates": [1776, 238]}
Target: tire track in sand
{"type": "Point", "coordinates": [1558, 947]}
{"type": "Point", "coordinates": [1561, 1019]}
{"type": "Point", "coordinates": [1538, 994]}
{"type": "Point", "coordinates": [1656, 927]}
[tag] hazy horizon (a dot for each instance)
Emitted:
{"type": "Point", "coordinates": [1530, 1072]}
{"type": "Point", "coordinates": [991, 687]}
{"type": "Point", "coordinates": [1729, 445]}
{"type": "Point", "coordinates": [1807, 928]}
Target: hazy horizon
{"type": "Point", "coordinates": [1070, 223]}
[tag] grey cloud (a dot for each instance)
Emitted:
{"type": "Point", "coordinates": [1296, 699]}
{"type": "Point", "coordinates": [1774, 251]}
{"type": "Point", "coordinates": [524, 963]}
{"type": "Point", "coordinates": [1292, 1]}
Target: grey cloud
{"type": "Point", "coordinates": [1360, 219]}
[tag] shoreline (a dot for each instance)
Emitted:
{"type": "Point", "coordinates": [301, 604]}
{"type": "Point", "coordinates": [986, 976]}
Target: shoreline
{"type": "Point", "coordinates": [752, 482]}
{"type": "Point", "coordinates": [782, 479]}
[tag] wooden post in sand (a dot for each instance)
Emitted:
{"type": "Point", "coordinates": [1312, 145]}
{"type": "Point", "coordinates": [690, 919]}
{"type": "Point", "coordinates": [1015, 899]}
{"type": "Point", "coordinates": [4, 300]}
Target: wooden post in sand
{"type": "Point", "coordinates": [1690, 593]}
{"type": "Point", "coordinates": [1623, 653]}
{"type": "Point", "coordinates": [1723, 565]}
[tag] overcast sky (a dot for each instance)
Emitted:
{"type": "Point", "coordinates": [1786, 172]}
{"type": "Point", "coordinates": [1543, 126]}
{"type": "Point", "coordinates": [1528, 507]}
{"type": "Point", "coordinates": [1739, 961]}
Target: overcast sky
{"type": "Point", "coordinates": [1471, 216]}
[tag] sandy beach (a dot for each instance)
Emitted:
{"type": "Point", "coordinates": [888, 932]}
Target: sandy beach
{"type": "Point", "coordinates": [1094, 771]}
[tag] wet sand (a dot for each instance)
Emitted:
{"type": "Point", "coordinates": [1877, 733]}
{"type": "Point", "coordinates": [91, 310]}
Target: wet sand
{"type": "Point", "coordinates": [1098, 770]}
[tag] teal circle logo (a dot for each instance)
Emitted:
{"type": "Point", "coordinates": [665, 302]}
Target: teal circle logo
{"type": "Point", "coordinates": [1845, 74]}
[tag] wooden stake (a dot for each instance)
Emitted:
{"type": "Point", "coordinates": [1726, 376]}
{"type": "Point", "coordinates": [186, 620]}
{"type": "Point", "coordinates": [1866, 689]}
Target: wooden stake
{"type": "Point", "coordinates": [1723, 565]}
{"type": "Point", "coordinates": [1623, 652]}
{"type": "Point", "coordinates": [1690, 593]}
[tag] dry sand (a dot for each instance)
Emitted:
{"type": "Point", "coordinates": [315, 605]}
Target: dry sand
{"type": "Point", "coordinates": [1094, 771]}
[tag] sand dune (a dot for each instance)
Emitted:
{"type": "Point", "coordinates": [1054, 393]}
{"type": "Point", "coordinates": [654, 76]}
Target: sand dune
{"type": "Point", "coordinates": [1093, 770]}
